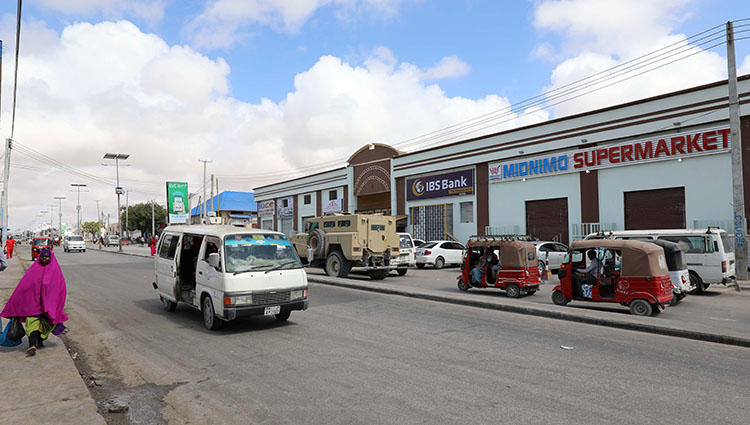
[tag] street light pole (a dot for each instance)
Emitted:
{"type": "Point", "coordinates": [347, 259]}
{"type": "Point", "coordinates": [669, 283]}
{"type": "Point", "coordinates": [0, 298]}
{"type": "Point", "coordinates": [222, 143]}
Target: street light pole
{"type": "Point", "coordinates": [153, 220]}
{"type": "Point", "coordinates": [203, 205]}
{"type": "Point", "coordinates": [78, 187]}
{"type": "Point", "coordinates": [59, 212]}
{"type": "Point", "coordinates": [117, 157]}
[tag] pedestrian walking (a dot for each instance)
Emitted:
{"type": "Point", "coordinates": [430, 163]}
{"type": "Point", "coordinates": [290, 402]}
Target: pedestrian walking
{"type": "Point", "coordinates": [152, 245]}
{"type": "Point", "coordinates": [9, 244]}
{"type": "Point", "coordinates": [38, 300]}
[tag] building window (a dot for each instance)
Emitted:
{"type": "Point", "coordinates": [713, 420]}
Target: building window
{"type": "Point", "coordinates": [467, 212]}
{"type": "Point", "coordinates": [285, 203]}
{"type": "Point", "coordinates": [333, 195]}
{"type": "Point", "coordinates": [308, 200]}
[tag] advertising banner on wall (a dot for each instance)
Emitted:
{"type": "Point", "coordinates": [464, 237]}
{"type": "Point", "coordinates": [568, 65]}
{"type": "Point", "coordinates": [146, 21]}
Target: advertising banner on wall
{"type": "Point", "coordinates": [672, 147]}
{"type": "Point", "coordinates": [440, 185]}
{"type": "Point", "coordinates": [266, 208]}
{"type": "Point", "coordinates": [333, 206]}
{"type": "Point", "coordinates": [288, 210]}
{"type": "Point", "coordinates": [177, 202]}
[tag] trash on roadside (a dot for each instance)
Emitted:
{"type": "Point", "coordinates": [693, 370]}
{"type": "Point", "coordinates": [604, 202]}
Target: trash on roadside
{"type": "Point", "coordinates": [115, 406]}
{"type": "Point", "coordinates": [565, 347]}
{"type": "Point", "coordinates": [74, 355]}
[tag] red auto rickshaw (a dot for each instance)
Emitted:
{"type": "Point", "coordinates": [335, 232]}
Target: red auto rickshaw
{"type": "Point", "coordinates": [39, 243]}
{"type": "Point", "coordinates": [628, 272]}
{"type": "Point", "coordinates": [518, 270]}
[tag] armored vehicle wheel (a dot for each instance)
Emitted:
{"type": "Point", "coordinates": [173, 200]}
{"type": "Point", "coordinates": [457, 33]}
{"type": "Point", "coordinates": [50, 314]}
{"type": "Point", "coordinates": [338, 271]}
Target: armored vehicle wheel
{"type": "Point", "coordinates": [640, 308]}
{"type": "Point", "coordinates": [379, 274]}
{"type": "Point", "coordinates": [559, 299]}
{"type": "Point", "coordinates": [402, 272]}
{"type": "Point", "coordinates": [316, 241]}
{"type": "Point", "coordinates": [439, 263]}
{"type": "Point", "coordinates": [513, 290]}
{"type": "Point", "coordinates": [337, 265]}
{"type": "Point", "coordinates": [462, 285]}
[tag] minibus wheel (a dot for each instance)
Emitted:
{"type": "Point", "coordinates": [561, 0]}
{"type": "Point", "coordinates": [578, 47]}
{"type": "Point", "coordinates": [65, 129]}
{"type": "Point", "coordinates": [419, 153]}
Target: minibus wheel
{"type": "Point", "coordinates": [640, 307]}
{"type": "Point", "coordinates": [167, 304]}
{"type": "Point", "coordinates": [210, 321]}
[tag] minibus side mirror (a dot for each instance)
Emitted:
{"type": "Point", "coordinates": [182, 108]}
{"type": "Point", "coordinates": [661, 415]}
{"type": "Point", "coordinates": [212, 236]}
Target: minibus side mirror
{"type": "Point", "coordinates": [214, 260]}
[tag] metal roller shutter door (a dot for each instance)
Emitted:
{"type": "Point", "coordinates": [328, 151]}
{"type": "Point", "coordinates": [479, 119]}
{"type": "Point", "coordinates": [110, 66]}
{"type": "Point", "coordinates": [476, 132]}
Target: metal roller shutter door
{"type": "Point", "coordinates": [547, 219]}
{"type": "Point", "coordinates": [655, 209]}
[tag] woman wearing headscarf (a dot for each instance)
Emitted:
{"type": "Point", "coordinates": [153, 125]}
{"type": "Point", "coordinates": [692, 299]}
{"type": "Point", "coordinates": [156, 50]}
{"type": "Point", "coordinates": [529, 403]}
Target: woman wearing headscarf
{"type": "Point", "coordinates": [38, 300]}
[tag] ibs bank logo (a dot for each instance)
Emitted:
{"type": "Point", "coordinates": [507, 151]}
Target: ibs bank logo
{"type": "Point", "coordinates": [417, 188]}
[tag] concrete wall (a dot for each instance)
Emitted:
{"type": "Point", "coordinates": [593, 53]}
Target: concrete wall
{"type": "Point", "coordinates": [507, 201]}
{"type": "Point", "coordinates": [707, 181]}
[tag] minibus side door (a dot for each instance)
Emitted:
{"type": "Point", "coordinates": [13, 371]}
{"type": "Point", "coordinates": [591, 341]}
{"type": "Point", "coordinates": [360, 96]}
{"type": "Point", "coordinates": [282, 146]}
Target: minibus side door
{"type": "Point", "coordinates": [166, 265]}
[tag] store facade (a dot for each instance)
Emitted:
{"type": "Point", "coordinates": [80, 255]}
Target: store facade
{"type": "Point", "coordinates": [661, 162]}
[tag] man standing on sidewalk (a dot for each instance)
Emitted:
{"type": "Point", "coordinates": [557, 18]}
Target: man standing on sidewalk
{"type": "Point", "coordinates": [9, 244]}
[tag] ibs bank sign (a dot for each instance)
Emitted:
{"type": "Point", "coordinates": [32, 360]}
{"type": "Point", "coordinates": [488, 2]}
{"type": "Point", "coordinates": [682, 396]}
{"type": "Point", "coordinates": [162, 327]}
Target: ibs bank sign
{"type": "Point", "coordinates": [440, 185]}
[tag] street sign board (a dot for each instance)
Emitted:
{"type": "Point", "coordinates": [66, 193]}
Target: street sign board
{"type": "Point", "coordinates": [177, 202]}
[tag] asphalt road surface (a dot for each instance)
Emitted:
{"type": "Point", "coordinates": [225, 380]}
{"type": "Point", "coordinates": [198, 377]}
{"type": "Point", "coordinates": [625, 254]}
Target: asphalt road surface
{"type": "Point", "coordinates": [364, 358]}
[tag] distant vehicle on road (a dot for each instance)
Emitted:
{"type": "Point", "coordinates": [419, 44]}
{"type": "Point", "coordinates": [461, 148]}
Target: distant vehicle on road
{"type": "Point", "coordinates": [439, 254]}
{"type": "Point", "coordinates": [550, 254]}
{"type": "Point", "coordinates": [74, 243]}
{"type": "Point", "coordinates": [709, 252]}
{"type": "Point", "coordinates": [229, 272]}
{"type": "Point", "coordinates": [111, 240]}
{"type": "Point", "coordinates": [38, 243]}
{"type": "Point", "coordinates": [407, 254]}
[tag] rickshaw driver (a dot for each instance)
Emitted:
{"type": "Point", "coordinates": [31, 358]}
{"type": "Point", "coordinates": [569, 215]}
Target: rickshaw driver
{"type": "Point", "coordinates": [478, 271]}
{"type": "Point", "coordinates": [590, 273]}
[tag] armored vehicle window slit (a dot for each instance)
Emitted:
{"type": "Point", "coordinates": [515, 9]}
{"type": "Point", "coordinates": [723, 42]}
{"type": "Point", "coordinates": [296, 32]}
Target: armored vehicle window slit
{"type": "Point", "coordinates": [345, 223]}
{"type": "Point", "coordinates": [378, 227]}
{"type": "Point", "coordinates": [329, 224]}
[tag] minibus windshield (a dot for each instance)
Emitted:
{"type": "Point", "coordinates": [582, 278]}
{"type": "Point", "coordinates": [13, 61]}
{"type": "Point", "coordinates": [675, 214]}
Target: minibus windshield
{"type": "Point", "coordinates": [258, 252]}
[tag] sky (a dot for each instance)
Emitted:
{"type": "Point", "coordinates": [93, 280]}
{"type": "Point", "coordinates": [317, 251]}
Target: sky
{"type": "Point", "coordinates": [274, 89]}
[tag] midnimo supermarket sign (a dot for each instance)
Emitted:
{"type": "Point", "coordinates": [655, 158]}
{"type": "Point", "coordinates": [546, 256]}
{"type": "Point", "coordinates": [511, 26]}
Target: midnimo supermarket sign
{"type": "Point", "coordinates": [681, 145]}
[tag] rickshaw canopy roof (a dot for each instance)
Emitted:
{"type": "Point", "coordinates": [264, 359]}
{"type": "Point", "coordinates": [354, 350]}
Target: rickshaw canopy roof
{"type": "Point", "coordinates": [518, 254]}
{"type": "Point", "coordinates": [642, 259]}
{"type": "Point", "coordinates": [494, 241]}
{"type": "Point", "coordinates": [674, 254]}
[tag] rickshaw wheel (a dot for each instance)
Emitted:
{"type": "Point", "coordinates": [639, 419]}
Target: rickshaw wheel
{"type": "Point", "coordinates": [640, 308]}
{"type": "Point", "coordinates": [512, 290]}
{"type": "Point", "coordinates": [675, 300]}
{"type": "Point", "coordinates": [559, 299]}
{"type": "Point", "coordinates": [462, 285]}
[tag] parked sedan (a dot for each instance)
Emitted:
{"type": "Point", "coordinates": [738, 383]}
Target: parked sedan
{"type": "Point", "coordinates": [439, 254]}
{"type": "Point", "coordinates": [554, 252]}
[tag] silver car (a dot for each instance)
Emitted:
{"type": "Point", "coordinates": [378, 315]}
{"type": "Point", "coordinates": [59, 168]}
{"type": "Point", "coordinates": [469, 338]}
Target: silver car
{"type": "Point", "coordinates": [552, 252]}
{"type": "Point", "coordinates": [74, 243]}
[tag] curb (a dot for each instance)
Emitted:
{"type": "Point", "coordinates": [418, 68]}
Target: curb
{"type": "Point", "coordinates": [121, 253]}
{"type": "Point", "coordinates": [534, 311]}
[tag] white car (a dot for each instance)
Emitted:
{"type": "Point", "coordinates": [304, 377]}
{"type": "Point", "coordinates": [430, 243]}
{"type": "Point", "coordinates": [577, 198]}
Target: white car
{"type": "Point", "coordinates": [74, 243]}
{"type": "Point", "coordinates": [112, 240]}
{"type": "Point", "coordinates": [554, 252]}
{"type": "Point", "coordinates": [407, 253]}
{"type": "Point", "coordinates": [440, 253]}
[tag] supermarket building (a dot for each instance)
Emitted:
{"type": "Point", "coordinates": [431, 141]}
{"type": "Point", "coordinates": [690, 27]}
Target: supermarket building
{"type": "Point", "coordinates": [660, 162]}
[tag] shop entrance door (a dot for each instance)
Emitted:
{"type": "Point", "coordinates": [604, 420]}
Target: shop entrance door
{"type": "Point", "coordinates": [655, 209]}
{"type": "Point", "coordinates": [432, 222]}
{"type": "Point", "coordinates": [547, 219]}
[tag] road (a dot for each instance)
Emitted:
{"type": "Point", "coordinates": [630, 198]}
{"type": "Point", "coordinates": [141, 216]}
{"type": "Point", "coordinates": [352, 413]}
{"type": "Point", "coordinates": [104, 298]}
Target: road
{"type": "Point", "coordinates": [361, 357]}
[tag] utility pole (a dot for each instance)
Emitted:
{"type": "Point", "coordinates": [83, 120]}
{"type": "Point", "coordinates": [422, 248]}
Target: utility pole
{"type": "Point", "coordinates": [127, 209]}
{"type": "Point", "coordinates": [6, 175]}
{"type": "Point", "coordinates": [153, 219]}
{"type": "Point", "coordinates": [738, 191]}
{"type": "Point", "coordinates": [118, 190]}
{"type": "Point", "coordinates": [211, 202]}
{"type": "Point", "coordinates": [98, 216]}
{"type": "Point", "coordinates": [78, 187]}
{"type": "Point", "coordinates": [203, 205]}
{"type": "Point", "coordinates": [59, 212]}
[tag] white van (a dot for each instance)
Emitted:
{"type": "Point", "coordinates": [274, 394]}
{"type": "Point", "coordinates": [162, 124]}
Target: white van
{"type": "Point", "coordinates": [709, 252]}
{"type": "Point", "coordinates": [407, 254]}
{"type": "Point", "coordinates": [229, 272]}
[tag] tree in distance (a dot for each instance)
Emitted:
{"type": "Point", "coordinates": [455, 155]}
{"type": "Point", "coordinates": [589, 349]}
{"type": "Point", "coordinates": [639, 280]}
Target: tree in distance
{"type": "Point", "coordinates": [139, 217]}
{"type": "Point", "coordinates": [91, 227]}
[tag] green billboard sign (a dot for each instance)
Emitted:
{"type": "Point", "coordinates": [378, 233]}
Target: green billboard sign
{"type": "Point", "coordinates": [177, 202]}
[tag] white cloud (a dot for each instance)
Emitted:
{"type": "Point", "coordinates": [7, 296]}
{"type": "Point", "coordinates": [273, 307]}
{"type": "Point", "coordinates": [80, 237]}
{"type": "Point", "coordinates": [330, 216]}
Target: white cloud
{"type": "Point", "coordinates": [448, 67]}
{"type": "Point", "coordinates": [225, 22]}
{"type": "Point", "coordinates": [544, 51]}
{"type": "Point", "coordinates": [745, 66]}
{"type": "Point", "coordinates": [168, 106]}
{"type": "Point", "coordinates": [599, 34]}
{"type": "Point", "coordinates": [151, 10]}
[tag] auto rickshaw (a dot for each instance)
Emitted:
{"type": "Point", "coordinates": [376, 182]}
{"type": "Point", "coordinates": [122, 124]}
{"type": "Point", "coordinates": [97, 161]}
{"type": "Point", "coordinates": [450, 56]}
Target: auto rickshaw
{"type": "Point", "coordinates": [678, 270]}
{"type": "Point", "coordinates": [631, 273]}
{"type": "Point", "coordinates": [518, 271]}
{"type": "Point", "coordinates": [38, 243]}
